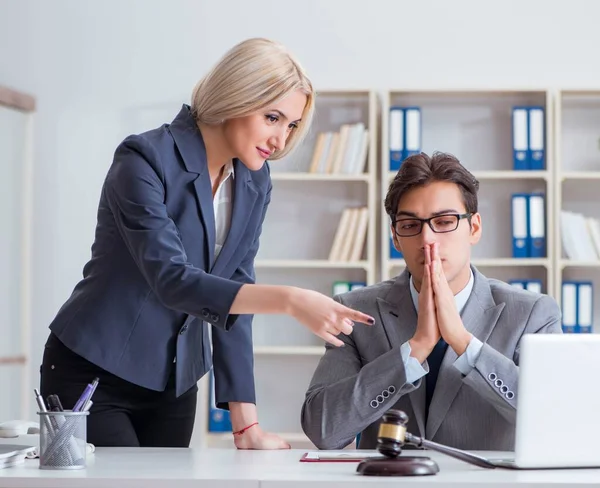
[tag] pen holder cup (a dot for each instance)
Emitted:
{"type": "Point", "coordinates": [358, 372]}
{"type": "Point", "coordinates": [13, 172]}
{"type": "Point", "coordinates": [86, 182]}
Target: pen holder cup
{"type": "Point", "coordinates": [63, 440]}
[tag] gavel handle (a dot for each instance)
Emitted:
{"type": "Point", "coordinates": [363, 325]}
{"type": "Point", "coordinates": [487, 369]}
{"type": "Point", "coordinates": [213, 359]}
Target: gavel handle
{"type": "Point", "coordinates": [450, 451]}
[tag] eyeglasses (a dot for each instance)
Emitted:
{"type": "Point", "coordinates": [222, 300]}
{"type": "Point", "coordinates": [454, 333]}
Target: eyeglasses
{"type": "Point", "coordinates": [439, 224]}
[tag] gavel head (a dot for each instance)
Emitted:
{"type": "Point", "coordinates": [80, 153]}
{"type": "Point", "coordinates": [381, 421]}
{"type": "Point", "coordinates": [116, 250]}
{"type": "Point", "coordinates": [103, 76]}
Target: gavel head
{"type": "Point", "coordinates": [392, 431]}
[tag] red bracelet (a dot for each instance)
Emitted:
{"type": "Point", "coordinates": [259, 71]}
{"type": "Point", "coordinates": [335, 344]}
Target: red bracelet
{"type": "Point", "coordinates": [240, 432]}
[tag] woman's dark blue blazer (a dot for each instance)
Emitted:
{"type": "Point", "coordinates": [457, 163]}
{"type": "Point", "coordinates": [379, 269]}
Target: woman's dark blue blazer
{"type": "Point", "coordinates": [151, 287]}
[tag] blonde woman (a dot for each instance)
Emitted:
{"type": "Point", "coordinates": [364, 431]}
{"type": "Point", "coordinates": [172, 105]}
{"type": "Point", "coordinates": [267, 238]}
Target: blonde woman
{"type": "Point", "coordinates": [178, 229]}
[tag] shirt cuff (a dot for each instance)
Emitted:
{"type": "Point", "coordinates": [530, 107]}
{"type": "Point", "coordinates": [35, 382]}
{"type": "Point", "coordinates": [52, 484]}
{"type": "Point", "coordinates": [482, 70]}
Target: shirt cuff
{"type": "Point", "coordinates": [466, 361]}
{"type": "Point", "coordinates": [413, 369]}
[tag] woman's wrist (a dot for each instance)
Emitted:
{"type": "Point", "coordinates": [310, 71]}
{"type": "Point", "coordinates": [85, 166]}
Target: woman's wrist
{"type": "Point", "coordinates": [289, 299]}
{"type": "Point", "coordinates": [245, 429]}
{"type": "Point", "coordinates": [242, 415]}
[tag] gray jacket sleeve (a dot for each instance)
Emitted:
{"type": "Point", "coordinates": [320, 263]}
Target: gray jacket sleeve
{"type": "Point", "coordinates": [345, 396]}
{"type": "Point", "coordinates": [496, 377]}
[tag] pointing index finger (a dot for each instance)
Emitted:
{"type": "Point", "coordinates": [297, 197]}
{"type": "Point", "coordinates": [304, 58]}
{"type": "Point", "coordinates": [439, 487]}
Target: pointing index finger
{"type": "Point", "coordinates": [361, 317]}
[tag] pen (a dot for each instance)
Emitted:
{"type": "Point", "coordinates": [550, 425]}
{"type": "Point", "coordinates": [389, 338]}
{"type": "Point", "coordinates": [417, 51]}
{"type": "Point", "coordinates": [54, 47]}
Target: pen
{"type": "Point", "coordinates": [42, 406]}
{"type": "Point", "coordinates": [54, 403]}
{"type": "Point", "coordinates": [85, 396]}
{"type": "Point", "coordinates": [89, 399]}
{"type": "Point", "coordinates": [39, 400]}
{"type": "Point", "coordinates": [54, 407]}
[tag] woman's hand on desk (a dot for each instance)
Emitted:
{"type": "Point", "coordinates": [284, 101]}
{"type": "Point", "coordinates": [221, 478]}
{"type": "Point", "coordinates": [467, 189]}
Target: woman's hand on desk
{"type": "Point", "coordinates": [247, 431]}
{"type": "Point", "coordinates": [256, 438]}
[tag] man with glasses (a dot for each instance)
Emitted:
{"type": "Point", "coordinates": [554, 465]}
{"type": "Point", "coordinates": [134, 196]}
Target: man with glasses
{"type": "Point", "coordinates": [445, 347]}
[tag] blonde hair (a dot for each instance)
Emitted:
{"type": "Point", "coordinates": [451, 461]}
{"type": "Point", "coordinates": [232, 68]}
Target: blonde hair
{"type": "Point", "coordinates": [251, 76]}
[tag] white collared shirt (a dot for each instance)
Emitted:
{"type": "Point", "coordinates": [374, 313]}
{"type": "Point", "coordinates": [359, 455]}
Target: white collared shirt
{"type": "Point", "coordinates": [465, 362]}
{"type": "Point", "coordinates": [222, 205]}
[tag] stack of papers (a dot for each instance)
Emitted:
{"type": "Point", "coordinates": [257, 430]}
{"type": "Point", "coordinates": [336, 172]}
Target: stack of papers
{"type": "Point", "coordinates": [332, 456]}
{"type": "Point", "coordinates": [13, 454]}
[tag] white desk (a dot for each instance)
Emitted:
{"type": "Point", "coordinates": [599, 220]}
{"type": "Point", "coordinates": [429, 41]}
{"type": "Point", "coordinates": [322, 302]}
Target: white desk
{"type": "Point", "coordinates": [220, 468]}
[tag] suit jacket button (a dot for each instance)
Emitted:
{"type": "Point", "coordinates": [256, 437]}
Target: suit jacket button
{"type": "Point", "coordinates": [214, 318]}
{"type": "Point", "coordinates": [374, 404]}
{"type": "Point", "coordinates": [183, 329]}
{"type": "Point", "coordinates": [205, 313]}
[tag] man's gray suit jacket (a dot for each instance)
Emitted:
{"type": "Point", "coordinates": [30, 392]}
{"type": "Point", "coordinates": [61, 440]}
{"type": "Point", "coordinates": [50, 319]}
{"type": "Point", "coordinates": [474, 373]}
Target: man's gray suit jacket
{"type": "Point", "coordinates": [353, 386]}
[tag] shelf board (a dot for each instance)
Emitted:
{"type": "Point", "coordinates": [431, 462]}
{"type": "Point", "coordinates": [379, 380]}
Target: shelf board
{"type": "Point", "coordinates": [342, 91]}
{"type": "Point", "coordinates": [289, 350]}
{"type": "Point", "coordinates": [396, 263]}
{"type": "Point", "coordinates": [511, 175]}
{"type": "Point", "coordinates": [570, 263]}
{"type": "Point", "coordinates": [579, 92]}
{"type": "Point", "coordinates": [498, 262]}
{"type": "Point", "coordinates": [509, 262]}
{"type": "Point", "coordinates": [580, 175]}
{"type": "Point", "coordinates": [302, 176]}
{"type": "Point", "coordinates": [502, 175]}
{"type": "Point", "coordinates": [466, 91]}
{"type": "Point", "coordinates": [309, 263]}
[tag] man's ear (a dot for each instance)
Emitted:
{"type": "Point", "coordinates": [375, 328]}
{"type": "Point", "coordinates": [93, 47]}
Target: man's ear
{"type": "Point", "coordinates": [475, 228]}
{"type": "Point", "coordinates": [395, 240]}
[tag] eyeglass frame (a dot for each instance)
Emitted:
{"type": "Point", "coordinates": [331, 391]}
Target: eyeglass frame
{"type": "Point", "coordinates": [459, 217]}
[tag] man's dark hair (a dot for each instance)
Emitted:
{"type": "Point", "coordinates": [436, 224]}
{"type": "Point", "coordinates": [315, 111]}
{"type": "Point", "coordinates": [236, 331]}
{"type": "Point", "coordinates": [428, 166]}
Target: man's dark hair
{"type": "Point", "coordinates": [420, 170]}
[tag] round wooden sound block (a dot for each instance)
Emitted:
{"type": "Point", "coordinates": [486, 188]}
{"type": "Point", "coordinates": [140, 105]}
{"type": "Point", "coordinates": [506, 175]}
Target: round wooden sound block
{"type": "Point", "coordinates": [400, 466]}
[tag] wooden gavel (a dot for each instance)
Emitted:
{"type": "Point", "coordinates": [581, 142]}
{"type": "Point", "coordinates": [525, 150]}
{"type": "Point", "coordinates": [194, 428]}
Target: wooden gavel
{"type": "Point", "coordinates": [393, 435]}
{"type": "Point", "coordinates": [390, 439]}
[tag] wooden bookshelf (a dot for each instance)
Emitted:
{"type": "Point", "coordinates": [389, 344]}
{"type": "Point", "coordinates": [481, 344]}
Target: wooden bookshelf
{"type": "Point", "coordinates": [476, 126]}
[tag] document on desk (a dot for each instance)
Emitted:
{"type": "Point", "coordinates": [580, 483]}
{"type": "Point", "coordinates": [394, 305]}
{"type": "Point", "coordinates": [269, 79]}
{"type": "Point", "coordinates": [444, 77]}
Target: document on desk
{"type": "Point", "coordinates": [12, 454]}
{"type": "Point", "coordinates": [337, 456]}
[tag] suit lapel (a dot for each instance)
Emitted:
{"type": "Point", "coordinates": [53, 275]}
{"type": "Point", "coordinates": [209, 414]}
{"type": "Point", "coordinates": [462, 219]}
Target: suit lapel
{"type": "Point", "coordinates": [190, 144]}
{"type": "Point", "coordinates": [479, 317]}
{"type": "Point", "coordinates": [244, 199]}
{"type": "Point", "coordinates": [203, 190]}
{"type": "Point", "coordinates": [397, 307]}
{"type": "Point", "coordinates": [394, 307]}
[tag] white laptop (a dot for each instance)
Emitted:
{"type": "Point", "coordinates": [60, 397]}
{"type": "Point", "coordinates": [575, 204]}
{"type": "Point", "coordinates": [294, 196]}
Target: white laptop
{"type": "Point", "coordinates": [558, 403]}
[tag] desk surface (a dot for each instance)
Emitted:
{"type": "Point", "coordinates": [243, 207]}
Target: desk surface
{"type": "Point", "coordinates": [151, 467]}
